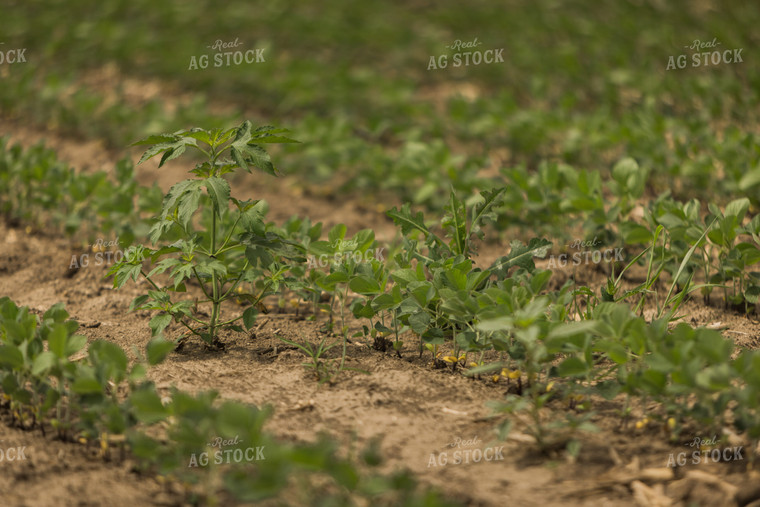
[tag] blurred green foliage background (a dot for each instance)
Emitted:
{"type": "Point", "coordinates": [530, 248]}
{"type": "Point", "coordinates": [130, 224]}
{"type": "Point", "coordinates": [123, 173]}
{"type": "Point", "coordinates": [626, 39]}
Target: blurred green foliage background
{"type": "Point", "coordinates": [582, 83]}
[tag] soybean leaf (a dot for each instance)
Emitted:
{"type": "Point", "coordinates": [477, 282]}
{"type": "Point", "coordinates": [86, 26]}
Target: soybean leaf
{"type": "Point", "coordinates": [157, 349]}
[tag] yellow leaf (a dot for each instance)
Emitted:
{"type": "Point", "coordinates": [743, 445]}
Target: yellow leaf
{"type": "Point", "coordinates": [514, 374]}
{"type": "Point", "coordinates": [450, 359]}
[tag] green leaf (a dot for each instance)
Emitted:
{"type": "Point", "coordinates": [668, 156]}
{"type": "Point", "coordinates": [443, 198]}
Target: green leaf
{"type": "Point", "coordinates": [750, 180]}
{"type": "Point", "coordinates": [56, 313]}
{"type": "Point", "coordinates": [266, 133]}
{"type": "Point", "coordinates": [249, 317]}
{"type": "Point", "coordinates": [86, 385]}
{"type": "Point", "coordinates": [684, 262]}
{"type": "Point", "coordinates": [635, 233]}
{"type": "Point", "coordinates": [407, 221]}
{"type": "Point", "coordinates": [336, 234]}
{"type": "Point", "coordinates": [383, 302]}
{"type": "Point", "coordinates": [57, 340]}
{"type": "Point", "coordinates": [157, 350]}
{"type": "Point", "coordinates": [138, 302]}
{"type": "Point", "coordinates": [219, 191]}
{"type": "Point", "coordinates": [138, 372]}
{"type": "Point", "coordinates": [364, 285]}
{"type": "Point", "coordinates": [147, 406]}
{"type": "Point", "coordinates": [172, 146]}
{"type": "Point", "coordinates": [188, 205]}
{"type": "Point", "coordinates": [200, 135]}
{"type": "Point", "coordinates": [521, 255]}
{"type": "Point", "coordinates": [569, 329]}
{"type": "Point", "coordinates": [752, 294]}
{"type": "Point", "coordinates": [43, 363]}
{"type": "Point", "coordinates": [497, 324]}
{"type": "Point", "coordinates": [176, 195]}
{"type": "Point", "coordinates": [483, 210]}
{"type": "Point", "coordinates": [455, 222]}
{"type": "Point", "coordinates": [405, 276]}
{"type": "Point", "coordinates": [614, 351]}
{"type": "Point", "coordinates": [572, 367]}
{"type": "Point", "coordinates": [245, 152]}
{"type": "Point", "coordinates": [738, 208]}
{"type": "Point", "coordinates": [159, 322]}
{"type": "Point", "coordinates": [155, 139]}
{"type": "Point", "coordinates": [419, 322]}
{"type": "Point", "coordinates": [74, 344]}
{"type": "Point", "coordinates": [109, 358]}
{"type": "Point", "coordinates": [11, 356]}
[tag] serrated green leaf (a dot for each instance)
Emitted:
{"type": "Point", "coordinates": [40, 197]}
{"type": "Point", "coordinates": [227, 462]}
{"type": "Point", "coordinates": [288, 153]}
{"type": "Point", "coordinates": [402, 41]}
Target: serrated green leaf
{"type": "Point", "coordinates": [407, 221]}
{"type": "Point", "coordinates": [219, 191]}
{"type": "Point", "coordinates": [159, 322]}
{"type": "Point", "coordinates": [455, 221]}
{"type": "Point", "coordinates": [521, 255]}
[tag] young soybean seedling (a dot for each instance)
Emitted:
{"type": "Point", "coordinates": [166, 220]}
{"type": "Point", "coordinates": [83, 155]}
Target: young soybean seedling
{"type": "Point", "coordinates": [231, 247]}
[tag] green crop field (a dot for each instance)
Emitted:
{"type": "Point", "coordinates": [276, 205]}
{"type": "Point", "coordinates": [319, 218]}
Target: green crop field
{"type": "Point", "coordinates": [380, 253]}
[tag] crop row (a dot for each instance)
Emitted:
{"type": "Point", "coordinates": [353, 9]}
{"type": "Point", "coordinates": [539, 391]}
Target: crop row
{"type": "Point", "coordinates": [423, 131]}
{"type": "Point", "coordinates": [53, 380]}
{"type": "Point", "coordinates": [565, 345]}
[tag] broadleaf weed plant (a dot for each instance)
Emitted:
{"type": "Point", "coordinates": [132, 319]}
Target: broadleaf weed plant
{"type": "Point", "coordinates": [223, 254]}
